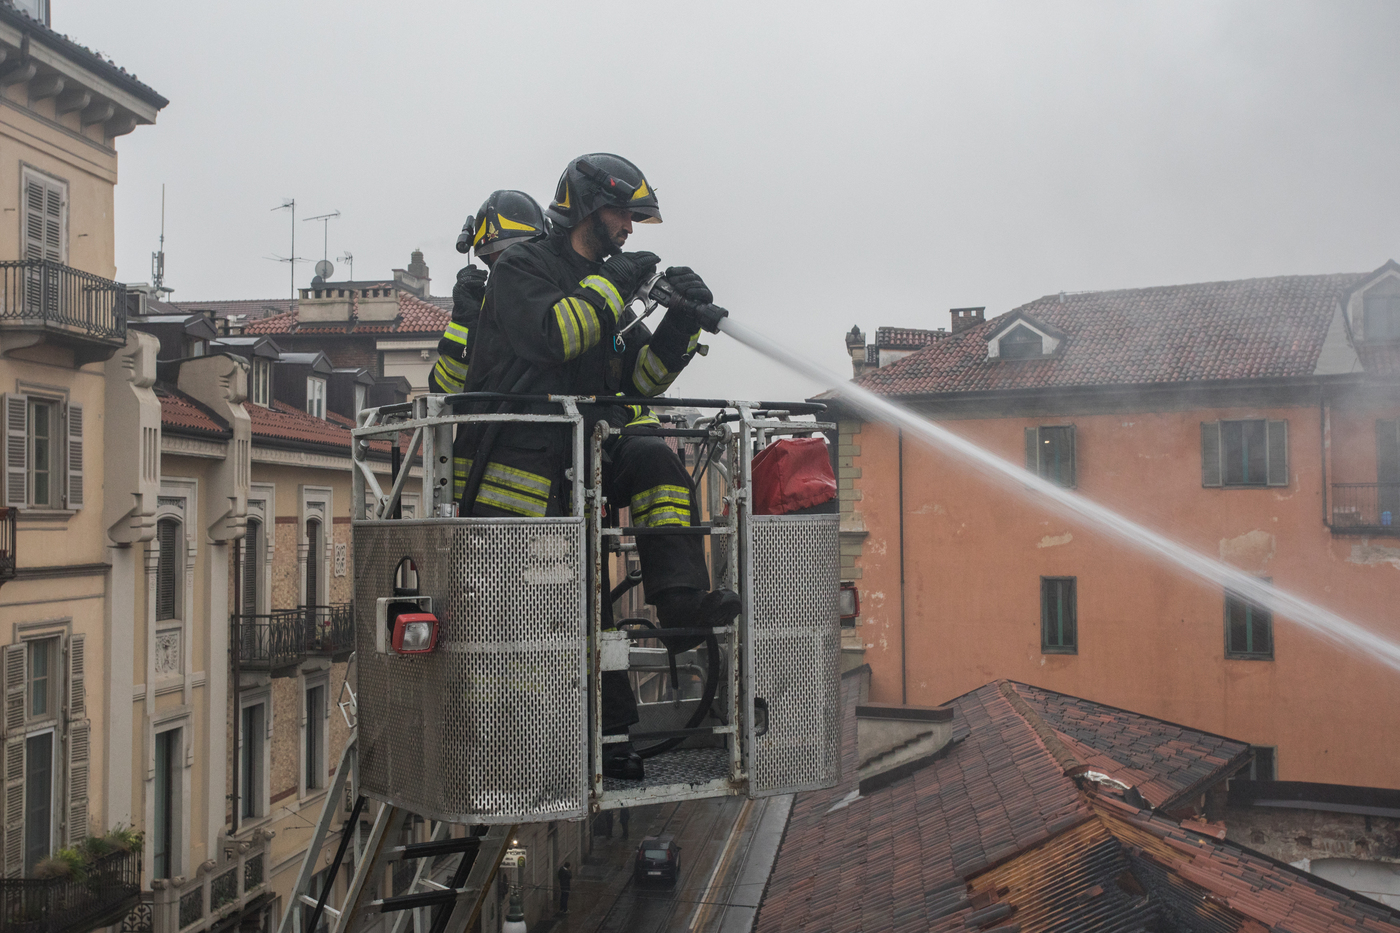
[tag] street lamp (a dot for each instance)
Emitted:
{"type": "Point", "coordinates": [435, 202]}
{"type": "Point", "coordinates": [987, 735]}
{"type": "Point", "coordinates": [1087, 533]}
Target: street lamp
{"type": "Point", "coordinates": [515, 914]}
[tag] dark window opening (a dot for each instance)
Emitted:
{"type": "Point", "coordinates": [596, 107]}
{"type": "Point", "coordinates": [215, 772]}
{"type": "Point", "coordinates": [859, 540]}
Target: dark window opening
{"type": "Point", "coordinates": [164, 835]}
{"type": "Point", "coordinates": [1248, 629]}
{"type": "Point", "coordinates": [169, 569]}
{"type": "Point", "coordinates": [1059, 617]}
{"type": "Point", "coordinates": [315, 737]}
{"type": "Point", "coordinates": [250, 785]}
{"type": "Point", "coordinates": [1263, 766]}
{"type": "Point", "coordinates": [314, 555]}
{"type": "Point", "coordinates": [38, 799]}
{"type": "Point", "coordinates": [1050, 453]}
{"type": "Point", "coordinates": [1022, 344]}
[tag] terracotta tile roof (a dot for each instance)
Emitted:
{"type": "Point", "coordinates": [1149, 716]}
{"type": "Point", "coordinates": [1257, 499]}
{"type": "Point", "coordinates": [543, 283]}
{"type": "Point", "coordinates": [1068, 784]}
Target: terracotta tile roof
{"type": "Point", "coordinates": [1253, 328]}
{"type": "Point", "coordinates": [181, 414]}
{"type": "Point", "coordinates": [416, 316]}
{"type": "Point", "coordinates": [1164, 761]}
{"type": "Point", "coordinates": [257, 307]}
{"type": "Point", "coordinates": [906, 338]}
{"type": "Point", "coordinates": [998, 834]}
{"type": "Point", "coordinates": [284, 422]}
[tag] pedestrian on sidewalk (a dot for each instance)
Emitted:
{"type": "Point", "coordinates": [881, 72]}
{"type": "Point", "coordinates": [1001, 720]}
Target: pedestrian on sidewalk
{"type": "Point", "coordinates": [566, 878]}
{"type": "Point", "coordinates": [623, 818]}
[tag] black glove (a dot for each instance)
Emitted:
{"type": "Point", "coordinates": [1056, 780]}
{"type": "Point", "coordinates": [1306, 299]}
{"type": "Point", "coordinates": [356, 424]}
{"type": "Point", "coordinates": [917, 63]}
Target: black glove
{"type": "Point", "coordinates": [689, 285]}
{"type": "Point", "coordinates": [628, 270]}
{"type": "Point", "coordinates": [469, 290]}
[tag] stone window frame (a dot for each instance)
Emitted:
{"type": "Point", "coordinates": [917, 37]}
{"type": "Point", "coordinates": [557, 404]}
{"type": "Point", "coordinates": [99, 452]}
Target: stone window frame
{"type": "Point", "coordinates": [178, 499]}
{"type": "Point", "coordinates": [262, 505]}
{"type": "Point", "coordinates": [249, 696]}
{"type": "Point", "coordinates": [316, 502]}
{"type": "Point", "coordinates": [319, 677]}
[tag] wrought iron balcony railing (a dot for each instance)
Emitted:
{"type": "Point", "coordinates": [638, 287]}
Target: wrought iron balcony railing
{"type": "Point", "coordinates": [330, 630]}
{"type": "Point", "coordinates": [1366, 508]}
{"type": "Point", "coordinates": [218, 893]}
{"type": "Point", "coordinates": [274, 642]}
{"type": "Point", "coordinates": [7, 543]}
{"type": "Point", "coordinates": [36, 293]}
{"type": "Point", "coordinates": [108, 890]}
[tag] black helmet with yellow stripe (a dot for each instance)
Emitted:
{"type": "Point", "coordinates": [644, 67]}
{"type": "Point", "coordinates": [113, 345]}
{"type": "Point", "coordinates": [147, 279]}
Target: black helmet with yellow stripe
{"type": "Point", "coordinates": [505, 218]}
{"type": "Point", "coordinates": [601, 179]}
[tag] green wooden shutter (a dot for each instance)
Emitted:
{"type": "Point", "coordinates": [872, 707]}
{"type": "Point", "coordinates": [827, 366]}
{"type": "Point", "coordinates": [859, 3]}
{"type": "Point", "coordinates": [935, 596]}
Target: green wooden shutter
{"type": "Point", "coordinates": [1277, 453]}
{"type": "Point", "coordinates": [79, 744]}
{"type": "Point", "coordinates": [1033, 450]}
{"type": "Point", "coordinates": [1073, 478]}
{"type": "Point", "coordinates": [16, 667]}
{"type": "Point", "coordinates": [169, 568]}
{"type": "Point", "coordinates": [1210, 453]}
{"type": "Point", "coordinates": [75, 457]}
{"type": "Point", "coordinates": [1388, 451]}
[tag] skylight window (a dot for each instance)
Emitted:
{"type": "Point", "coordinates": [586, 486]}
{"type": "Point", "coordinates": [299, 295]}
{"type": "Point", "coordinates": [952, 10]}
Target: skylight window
{"type": "Point", "coordinates": [1022, 343]}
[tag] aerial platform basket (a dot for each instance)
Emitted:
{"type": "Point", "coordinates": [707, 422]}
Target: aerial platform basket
{"type": "Point", "coordinates": [498, 723]}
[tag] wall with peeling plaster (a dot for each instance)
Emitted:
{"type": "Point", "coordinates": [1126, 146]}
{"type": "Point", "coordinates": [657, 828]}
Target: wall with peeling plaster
{"type": "Point", "coordinates": [1150, 639]}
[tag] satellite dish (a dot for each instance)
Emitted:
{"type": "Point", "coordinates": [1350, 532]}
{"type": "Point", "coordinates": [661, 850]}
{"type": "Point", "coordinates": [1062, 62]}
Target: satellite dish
{"type": "Point", "coordinates": [324, 268]}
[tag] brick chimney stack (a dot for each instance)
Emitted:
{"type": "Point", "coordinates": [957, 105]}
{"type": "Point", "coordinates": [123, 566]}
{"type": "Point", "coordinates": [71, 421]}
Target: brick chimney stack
{"type": "Point", "coordinates": [963, 318]}
{"type": "Point", "coordinates": [855, 345]}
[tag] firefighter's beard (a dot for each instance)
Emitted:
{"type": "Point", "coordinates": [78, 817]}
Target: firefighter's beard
{"type": "Point", "coordinates": [598, 239]}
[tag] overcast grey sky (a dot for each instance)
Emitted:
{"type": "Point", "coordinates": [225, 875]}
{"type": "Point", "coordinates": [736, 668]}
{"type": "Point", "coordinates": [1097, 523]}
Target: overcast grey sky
{"type": "Point", "coordinates": [821, 164]}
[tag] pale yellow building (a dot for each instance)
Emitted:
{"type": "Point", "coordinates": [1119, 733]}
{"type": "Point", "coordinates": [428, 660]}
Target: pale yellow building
{"type": "Point", "coordinates": [68, 685]}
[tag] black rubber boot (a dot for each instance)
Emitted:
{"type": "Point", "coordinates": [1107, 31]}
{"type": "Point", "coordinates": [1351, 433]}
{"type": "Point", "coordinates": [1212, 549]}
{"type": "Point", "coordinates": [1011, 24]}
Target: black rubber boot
{"type": "Point", "coordinates": [622, 761]}
{"type": "Point", "coordinates": [687, 608]}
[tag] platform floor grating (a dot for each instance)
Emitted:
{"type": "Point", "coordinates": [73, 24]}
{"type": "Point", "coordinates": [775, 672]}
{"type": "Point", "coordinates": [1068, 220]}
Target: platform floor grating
{"type": "Point", "coordinates": [682, 766]}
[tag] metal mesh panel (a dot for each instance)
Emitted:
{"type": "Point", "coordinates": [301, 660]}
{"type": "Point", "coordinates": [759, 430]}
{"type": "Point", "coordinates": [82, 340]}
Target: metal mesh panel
{"type": "Point", "coordinates": [796, 644]}
{"type": "Point", "coordinates": [489, 728]}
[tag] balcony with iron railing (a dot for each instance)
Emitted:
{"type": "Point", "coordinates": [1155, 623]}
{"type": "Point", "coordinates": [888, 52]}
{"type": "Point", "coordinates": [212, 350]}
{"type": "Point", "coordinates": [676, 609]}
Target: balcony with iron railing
{"type": "Point", "coordinates": [48, 302]}
{"type": "Point", "coordinates": [330, 631]}
{"type": "Point", "coordinates": [218, 892]}
{"type": "Point", "coordinates": [273, 643]}
{"type": "Point", "coordinates": [1366, 508]}
{"type": "Point", "coordinates": [104, 893]}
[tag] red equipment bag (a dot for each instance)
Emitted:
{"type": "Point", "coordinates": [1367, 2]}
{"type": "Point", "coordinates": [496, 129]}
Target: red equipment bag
{"type": "Point", "coordinates": [792, 474]}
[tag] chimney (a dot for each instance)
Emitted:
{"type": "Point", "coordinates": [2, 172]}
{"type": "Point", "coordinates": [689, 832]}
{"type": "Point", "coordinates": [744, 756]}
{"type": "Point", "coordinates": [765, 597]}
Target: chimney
{"type": "Point", "coordinates": [855, 346]}
{"type": "Point", "coordinates": [414, 279]}
{"type": "Point", "coordinates": [963, 318]}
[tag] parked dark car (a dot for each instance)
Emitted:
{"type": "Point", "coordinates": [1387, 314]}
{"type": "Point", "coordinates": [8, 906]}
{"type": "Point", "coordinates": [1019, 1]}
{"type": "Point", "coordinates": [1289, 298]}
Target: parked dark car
{"type": "Point", "coordinates": [658, 859]}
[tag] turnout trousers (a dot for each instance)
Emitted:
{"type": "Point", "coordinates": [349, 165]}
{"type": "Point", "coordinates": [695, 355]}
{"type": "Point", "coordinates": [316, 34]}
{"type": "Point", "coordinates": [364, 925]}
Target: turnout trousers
{"type": "Point", "coordinates": [645, 476]}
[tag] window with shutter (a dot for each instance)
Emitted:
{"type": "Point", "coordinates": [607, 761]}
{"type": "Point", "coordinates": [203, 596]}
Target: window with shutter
{"type": "Point", "coordinates": [12, 807]}
{"type": "Point", "coordinates": [1248, 629]}
{"type": "Point", "coordinates": [79, 743]}
{"type": "Point", "coordinates": [1059, 616]}
{"type": "Point", "coordinates": [252, 545]}
{"type": "Point", "coordinates": [314, 556]}
{"type": "Point", "coordinates": [1210, 453]}
{"type": "Point", "coordinates": [1277, 453]}
{"type": "Point", "coordinates": [169, 569]}
{"type": "Point", "coordinates": [45, 218]}
{"type": "Point", "coordinates": [16, 450]}
{"type": "Point", "coordinates": [165, 833]}
{"type": "Point", "coordinates": [315, 752]}
{"type": "Point", "coordinates": [74, 470]}
{"type": "Point", "coordinates": [1388, 468]}
{"type": "Point", "coordinates": [1251, 452]}
{"type": "Point", "coordinates": [252, 735]}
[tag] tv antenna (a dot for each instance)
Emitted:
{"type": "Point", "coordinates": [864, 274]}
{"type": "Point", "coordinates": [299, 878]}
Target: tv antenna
{"type": "Point", "coordinates": [291, 204]}
{"type": "Point", "coordinates": [158, 258]}
{"type": "Point", "coordinates": [348, 258]}
{"type": "Point", "coordinates": [325, 262]}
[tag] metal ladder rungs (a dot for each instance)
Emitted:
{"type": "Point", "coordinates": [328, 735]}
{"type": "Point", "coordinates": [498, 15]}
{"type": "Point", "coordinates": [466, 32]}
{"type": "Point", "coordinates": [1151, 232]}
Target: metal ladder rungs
{"type": "Point", "coordinates": [311, 902]}
{"type": "Point", "coordinates": [421, 899]}
{"type": "Point", "coordinates": [435, 848]}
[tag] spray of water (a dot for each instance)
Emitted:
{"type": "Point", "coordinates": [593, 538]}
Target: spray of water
{"type": "Point", "coordinates": [1321, 621]}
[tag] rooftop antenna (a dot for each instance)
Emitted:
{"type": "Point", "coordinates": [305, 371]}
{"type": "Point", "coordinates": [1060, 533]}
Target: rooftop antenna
{"type": "Point", "coordinates": [348, 257]}
{"type": "Point", "coordinates": [291, 204]}
{"type": "Point", "coordinates": [324, 267]}
{"type": "Point", "coordinates": [158, 258]}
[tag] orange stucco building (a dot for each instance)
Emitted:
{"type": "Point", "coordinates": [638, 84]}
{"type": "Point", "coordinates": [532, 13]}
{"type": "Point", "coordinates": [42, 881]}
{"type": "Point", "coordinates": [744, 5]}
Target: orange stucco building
{"type": "Point", "coordinates": [1255, 421]}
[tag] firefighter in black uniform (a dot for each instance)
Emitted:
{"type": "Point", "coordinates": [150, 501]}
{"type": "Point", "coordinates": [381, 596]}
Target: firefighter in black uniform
{"type": "Point", "coordinates": [504, 219]}
{"type": "Point", "coordinates": [550, 325]}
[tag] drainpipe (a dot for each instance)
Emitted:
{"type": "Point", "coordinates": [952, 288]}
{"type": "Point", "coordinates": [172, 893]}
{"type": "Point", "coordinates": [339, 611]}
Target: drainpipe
{"type": "Point", "coordinates": [1322, 433]}
{"type": "Point", "coordinates": [237, 678]}
{"type": "Point", "coordinates": [903, 657]}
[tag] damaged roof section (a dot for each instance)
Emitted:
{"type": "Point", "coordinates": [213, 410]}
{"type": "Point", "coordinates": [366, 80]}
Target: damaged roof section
{"type": "Point", "coordinates": [1005, 830]}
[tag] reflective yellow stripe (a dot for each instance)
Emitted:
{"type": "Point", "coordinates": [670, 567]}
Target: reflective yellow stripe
{"type": "Point", "coordinates": [451, 375]}
{"type": "Point", "coordinates": [579, 327]}
{"type": "Point", "coordinates": [532, 483]}
{"type": "Point", "coordinates": [456, 333]}
{"type": "Point", "coordinates": [694, 342]}
{"type": "Point", "coordinates": [650, 374]}
{"type": "Point", "coordinates": [607, 289]}
{"type": "Point", "coordinates": [509, 501]}
{"type": "Point", "coordinates": [647, 420]}
{"type": "Point", "coordinates": [461, 469]}
{"type": "Point", "coordinates": [661, 505]}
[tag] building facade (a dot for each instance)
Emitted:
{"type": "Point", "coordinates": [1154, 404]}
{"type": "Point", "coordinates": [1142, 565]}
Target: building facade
{"type": "Point", "coordinates": [66, 777]}
{"type": "Point", "coordinates": [1254, 421]}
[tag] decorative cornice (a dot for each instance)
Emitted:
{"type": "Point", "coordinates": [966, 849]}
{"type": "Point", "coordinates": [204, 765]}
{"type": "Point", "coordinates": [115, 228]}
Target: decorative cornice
{"type": "Point", "coordinates": [190, 447]}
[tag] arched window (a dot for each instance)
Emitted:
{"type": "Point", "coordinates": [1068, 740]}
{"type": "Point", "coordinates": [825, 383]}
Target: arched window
{"type": "Point", "coordinates": [315, 554]}
{"type": "Point", "coordinates": [170, 569]}
{"type": "Point", "coordinates": [252, 546]}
